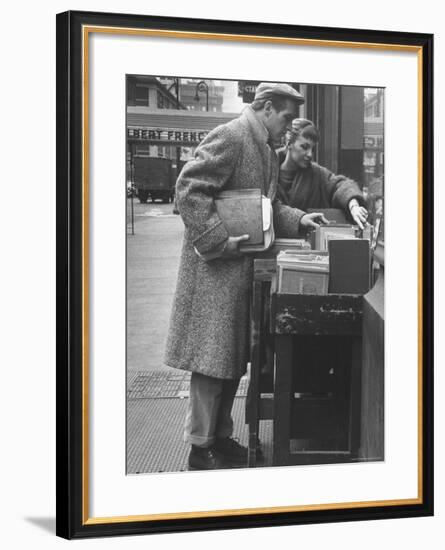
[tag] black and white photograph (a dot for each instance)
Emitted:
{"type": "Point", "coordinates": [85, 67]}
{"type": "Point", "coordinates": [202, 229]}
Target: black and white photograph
{"type": "Point", "coordinates": [254, 273]}
{"type": "Point", "coordinates": [221, 248]}
{"type": "Point", "coordinates": [243, 275]}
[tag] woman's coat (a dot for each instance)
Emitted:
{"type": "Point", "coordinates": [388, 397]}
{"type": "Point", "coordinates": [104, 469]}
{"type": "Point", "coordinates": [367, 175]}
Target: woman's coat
{"type": "Point", "coordinates": [317, 187]}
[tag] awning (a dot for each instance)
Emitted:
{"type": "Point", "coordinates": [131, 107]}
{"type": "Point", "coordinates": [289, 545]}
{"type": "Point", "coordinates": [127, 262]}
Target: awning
{"type": "Point", "coordinates": [171, 126]}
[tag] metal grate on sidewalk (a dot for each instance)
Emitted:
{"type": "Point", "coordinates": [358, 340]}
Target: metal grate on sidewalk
{"type": "Point", "coordinates": [156, 407]}
{"type": "Point", "coordinates": [155, 435]}
{"type": "Point", "coordinates": [166, 384]}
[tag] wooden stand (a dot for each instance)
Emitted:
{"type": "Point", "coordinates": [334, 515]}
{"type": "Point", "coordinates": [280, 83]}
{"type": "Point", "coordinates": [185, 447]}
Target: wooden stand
{"type": "Point", "coordinates": [315, 398]}
{"type": "Point", "coordinates": [317, 377]}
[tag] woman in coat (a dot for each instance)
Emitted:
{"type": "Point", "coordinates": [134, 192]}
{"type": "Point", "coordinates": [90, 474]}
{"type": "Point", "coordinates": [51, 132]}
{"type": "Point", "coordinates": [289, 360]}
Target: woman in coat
{"type": "Point", "coordinates": [304, 184]}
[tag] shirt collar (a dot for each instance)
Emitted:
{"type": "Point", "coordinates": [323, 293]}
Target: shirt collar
{"type": "Point", "coordinates": [260, 131]}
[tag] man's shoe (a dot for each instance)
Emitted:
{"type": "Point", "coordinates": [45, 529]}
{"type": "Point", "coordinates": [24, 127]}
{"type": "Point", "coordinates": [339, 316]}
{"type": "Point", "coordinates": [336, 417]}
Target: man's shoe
{"type": "Point", "coordinates": [205, 458]}
{"type": "Point", "coordinates": [231, 450]}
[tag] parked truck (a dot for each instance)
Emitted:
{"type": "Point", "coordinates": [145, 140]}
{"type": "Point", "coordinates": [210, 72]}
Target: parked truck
{"type": "Point", "coordinates": [154, 178]}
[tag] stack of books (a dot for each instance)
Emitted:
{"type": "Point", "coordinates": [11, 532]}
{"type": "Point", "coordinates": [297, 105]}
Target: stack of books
{"type": "Point", "coordinates": [245, 212]}
{"type": "Point", "coordinates": [303, 272]}
{"type": "Point", "coordinates": [290, 244]}
{"type": "Point", "coordinates": [337, 231]}
{"type": "Point", "coordinates": [323, 234]}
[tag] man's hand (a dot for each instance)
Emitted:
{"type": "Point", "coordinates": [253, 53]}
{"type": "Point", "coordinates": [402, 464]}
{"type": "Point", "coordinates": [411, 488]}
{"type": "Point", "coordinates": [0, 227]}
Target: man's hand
{"type": "Point", "coordinates": [313, 220]}
{"type": "Point", "coordinates": [359, 215]}
{"type": "Point", "coordinates": [231, 250]}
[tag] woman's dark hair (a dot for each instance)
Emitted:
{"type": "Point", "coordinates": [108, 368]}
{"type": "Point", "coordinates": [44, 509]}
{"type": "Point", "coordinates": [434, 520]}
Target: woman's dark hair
{"type": "Point", "coordinates": [302, 127]}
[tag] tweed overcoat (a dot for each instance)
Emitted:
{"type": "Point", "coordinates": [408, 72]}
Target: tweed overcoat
{"type": "Point", "coordinates": [209, 325]}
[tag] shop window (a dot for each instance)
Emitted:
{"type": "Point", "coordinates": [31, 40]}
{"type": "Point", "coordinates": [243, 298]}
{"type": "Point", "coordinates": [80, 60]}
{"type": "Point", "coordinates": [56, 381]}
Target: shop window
{"type": "Point", "coordinates": [373, 151]}
{"type": "Point", "coordinates": [377, 107]}
{"type": "Point", "coordinates": [160, 100]}
{"type": "Point", "coordinates": [141, 96]}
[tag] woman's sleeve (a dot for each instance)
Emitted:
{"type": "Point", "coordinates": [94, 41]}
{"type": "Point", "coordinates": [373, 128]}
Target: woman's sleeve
{"type": "Point", "coordinates": [201, 180]}
{"type": "Point", "coordinates": [286, 220]}
{"type": "Point", "coordinates": [341, 190]}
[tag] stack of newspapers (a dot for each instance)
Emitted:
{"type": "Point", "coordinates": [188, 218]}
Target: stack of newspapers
{"type": "Point", "coordinates": [303, 272]}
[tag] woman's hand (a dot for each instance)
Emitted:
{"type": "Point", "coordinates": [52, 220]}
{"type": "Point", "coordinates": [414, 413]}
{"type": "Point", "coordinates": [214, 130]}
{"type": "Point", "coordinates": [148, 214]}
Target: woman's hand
{"type": "Point", "coordinates": [359, 214]}
{"type": "Point", "coordinates": [313, 220]}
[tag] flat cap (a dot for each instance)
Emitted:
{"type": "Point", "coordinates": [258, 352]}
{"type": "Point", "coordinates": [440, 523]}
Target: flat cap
{"type": "Point", "coordinates": [266, 90]}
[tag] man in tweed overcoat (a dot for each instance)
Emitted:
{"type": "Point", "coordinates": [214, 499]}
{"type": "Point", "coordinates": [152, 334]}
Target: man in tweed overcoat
{"type": "Point", "coordinates": [210, 315]}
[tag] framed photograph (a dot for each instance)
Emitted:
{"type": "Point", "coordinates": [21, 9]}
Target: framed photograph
{"type": "Point", "coordinates": [224, 360]}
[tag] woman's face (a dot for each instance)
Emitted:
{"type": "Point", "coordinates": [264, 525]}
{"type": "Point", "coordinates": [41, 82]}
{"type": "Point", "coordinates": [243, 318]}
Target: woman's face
{"type": "Point", "coordinates": [301, 152]}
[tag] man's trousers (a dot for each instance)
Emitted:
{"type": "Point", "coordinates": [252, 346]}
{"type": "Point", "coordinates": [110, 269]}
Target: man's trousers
{"type": "Point", "coordinates": [209, 409]}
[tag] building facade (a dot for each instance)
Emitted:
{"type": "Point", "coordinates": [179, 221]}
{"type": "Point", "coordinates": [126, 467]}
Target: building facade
{"type": "Point", "coordinates": [148, 93]}
{"type": "Point", "coordinates": [168, 117]}
{"type": "Point", "coordinates": [202, 95]}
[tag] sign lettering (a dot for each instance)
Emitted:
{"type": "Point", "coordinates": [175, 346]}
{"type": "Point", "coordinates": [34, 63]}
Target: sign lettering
{"type": "Point", "coordinates": [164, 135]}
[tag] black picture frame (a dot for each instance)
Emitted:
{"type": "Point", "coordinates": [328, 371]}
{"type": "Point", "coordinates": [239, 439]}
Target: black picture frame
{"type": "Point", "coordinates": [72, 497]}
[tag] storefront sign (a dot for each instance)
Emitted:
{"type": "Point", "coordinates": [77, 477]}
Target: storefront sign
{"type": "Point", "coordinates": [166, 136]}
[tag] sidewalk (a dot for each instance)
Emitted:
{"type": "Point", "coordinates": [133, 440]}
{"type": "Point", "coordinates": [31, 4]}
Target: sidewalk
{"type": "Point", "coordinates": [157, 395]}
{"type": "Point", "coordinates": [156, 405]}
{"type": "Point", "coordinates": [152, 266]}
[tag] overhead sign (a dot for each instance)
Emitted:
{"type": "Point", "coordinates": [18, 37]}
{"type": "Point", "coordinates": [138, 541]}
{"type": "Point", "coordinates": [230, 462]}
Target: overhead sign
{"type": "Point", "coordinates": [247, 89]}
{"type": "Point", "coordinates": [167, 136]}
